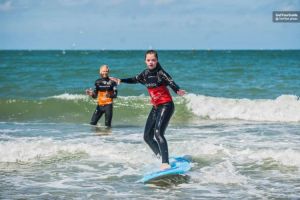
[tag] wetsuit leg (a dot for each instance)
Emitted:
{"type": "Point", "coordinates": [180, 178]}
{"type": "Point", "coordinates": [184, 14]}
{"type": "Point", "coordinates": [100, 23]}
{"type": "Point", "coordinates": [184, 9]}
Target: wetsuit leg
{"type": "Point", "coordinates": [149, 131]}
{"type": "Point", "coordinates": [108, 114]}
{"type": "Point", "coordinates": [96, 116]}
{"type": "Point", "coordinates": [164, 114]}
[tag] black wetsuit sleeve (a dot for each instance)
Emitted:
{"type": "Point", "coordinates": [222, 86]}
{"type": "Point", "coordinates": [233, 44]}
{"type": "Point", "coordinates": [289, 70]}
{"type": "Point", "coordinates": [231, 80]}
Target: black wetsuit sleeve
{"type": "Point", "coordinates": [115, 91]}
{"type": "Point", "coordinates": [169, 81]}
{"type": "Point", "coordinates": [95, 92]}
{"type": "Point", "coordinates": [137, 79]}
{"type": "Point", "coordinates": [132, 80]}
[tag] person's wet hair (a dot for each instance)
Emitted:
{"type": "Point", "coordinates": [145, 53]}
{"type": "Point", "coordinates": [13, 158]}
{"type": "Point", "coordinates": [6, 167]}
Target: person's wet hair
{"type": "Point", "coordinates": [156, 56]}
{"type": "Point", "coordinates": [151, 52]}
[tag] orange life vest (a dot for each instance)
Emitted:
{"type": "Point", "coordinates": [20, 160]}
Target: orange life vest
{"type": "Point", "coordinates": [103, 99]}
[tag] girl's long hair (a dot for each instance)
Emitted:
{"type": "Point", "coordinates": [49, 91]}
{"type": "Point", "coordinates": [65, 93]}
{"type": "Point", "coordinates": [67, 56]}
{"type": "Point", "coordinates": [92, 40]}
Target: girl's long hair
{"type": "Point", "coordinates": [156, 56]}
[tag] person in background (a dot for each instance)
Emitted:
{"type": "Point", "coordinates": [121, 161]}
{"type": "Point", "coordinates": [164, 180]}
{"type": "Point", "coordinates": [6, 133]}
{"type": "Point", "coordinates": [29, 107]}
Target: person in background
{"type": "Point", "coordinates": [105, 91]}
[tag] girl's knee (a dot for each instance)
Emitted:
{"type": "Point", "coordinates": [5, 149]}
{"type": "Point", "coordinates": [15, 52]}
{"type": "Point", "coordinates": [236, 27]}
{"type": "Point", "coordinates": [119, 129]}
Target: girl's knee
{"type": "Point", "coordinates": [159, 137]}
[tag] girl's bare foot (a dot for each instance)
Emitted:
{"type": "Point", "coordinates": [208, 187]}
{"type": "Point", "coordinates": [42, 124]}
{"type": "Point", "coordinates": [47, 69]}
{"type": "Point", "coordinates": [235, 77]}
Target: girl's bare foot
{"type": "Point", "coordinates": [165, 166]}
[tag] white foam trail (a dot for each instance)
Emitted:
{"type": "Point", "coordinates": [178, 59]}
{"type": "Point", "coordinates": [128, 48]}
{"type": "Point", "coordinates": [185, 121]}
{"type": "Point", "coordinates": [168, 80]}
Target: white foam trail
{"type": "Point", "coordinates": [285, 108]}
{"type": "Point", "coordinates": [142, 97]}
{"type": "Point", "coordinates": [38, 149]}
{"type": "Point", "coordinates": [288, 157]}
{"type": "Point", "coordinates": [26, 150]}
{"type": "Point", "coordinates": [67, 96]}
{"type": "Point", "coordinates": [122, 101]}
{"type": "Point", "coordinates": [132, 101]}
{"type": "Point", "coordinates": [222, 173]}
{"type": "Point", "coordinates": [197, 148]}
{"type": "Point", "coordinates": [212, 149]}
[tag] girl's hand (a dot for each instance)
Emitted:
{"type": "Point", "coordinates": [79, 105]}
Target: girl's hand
{"type": "Point", "coordinates": [118, 81]}
{"type": "Point", "coordinates": [181, 92]}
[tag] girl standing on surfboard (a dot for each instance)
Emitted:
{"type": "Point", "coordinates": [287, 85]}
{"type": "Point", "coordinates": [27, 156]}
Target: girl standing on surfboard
{"type": "Point", "coordinates": [156, 79]}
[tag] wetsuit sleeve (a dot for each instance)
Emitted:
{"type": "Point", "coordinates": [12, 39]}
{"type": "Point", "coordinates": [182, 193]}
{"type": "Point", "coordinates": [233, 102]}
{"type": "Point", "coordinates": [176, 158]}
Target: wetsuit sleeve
{"type": "Point", "coordinates": [129, 80]}
{"type": "Point", "coordinates": [169, 81]}
{"type": "Point", "coordinates": [137, 79]}
{"type": "Point", "coordinates": [95, 92]}
{"type": "Point", "coordinates": [115, 91]}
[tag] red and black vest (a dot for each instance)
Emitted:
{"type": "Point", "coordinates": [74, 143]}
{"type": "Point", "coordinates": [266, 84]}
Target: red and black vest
{"type": "Point", "coordinates": [156, 81]}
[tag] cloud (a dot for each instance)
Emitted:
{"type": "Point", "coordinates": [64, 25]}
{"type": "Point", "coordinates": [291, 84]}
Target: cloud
{"type": "Point", "coordinates": [6, 6]}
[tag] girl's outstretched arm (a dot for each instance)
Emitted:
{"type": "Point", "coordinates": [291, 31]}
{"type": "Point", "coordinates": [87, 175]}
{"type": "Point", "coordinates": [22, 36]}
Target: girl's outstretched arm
{"type": "Point", "coordinates": [137, 79]}
{"type": "Point", "coordinates": [172, 83]}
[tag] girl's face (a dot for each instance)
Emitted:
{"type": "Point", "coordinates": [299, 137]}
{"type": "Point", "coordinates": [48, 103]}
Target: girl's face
{"type": "Point", "coordinates": [151, 61]}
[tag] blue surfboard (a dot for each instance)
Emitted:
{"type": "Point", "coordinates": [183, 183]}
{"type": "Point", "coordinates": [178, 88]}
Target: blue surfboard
{"type": "Point", "coordinates": [179, 166]}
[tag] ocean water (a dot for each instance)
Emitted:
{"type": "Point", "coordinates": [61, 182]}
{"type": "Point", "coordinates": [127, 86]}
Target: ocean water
{"type": "Point", "coordinates": [240, 123]}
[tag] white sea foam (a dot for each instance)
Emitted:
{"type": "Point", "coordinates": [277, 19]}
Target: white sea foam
{"type": "Point", "coordinates": [198, 148]}
{"type": "Point", "coordinates": [67, 96]}
{"type": "Point", "coordinates": [285, 108]}
{"type": "Point", "coordinates": [136, 101]}
{"type": "Point", "coordinates": [31, 150]}
{"type": "Point", "coordinates": [222, 173]}
{"type": "Point", "coordinates": [287, 157]}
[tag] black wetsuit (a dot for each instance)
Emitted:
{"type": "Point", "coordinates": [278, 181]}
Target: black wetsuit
{"type": "Point", "coordinates": [105, 90]}
{"type": "Point", "coordinates": [156, 81]}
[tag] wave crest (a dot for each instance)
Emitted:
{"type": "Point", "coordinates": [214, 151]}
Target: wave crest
{"type": "Point", "coordinates": [67, 96]}
{"type": "Point", "coordinates": [285, 108]}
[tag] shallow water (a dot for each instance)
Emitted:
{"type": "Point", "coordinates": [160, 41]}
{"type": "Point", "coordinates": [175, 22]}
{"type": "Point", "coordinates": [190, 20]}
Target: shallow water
{"type": "Point", "coordinates": [231, 159]}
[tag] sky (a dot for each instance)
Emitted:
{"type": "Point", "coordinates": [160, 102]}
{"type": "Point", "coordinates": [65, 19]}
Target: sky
{"type": "Point", "coordinates": [146, 24]}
